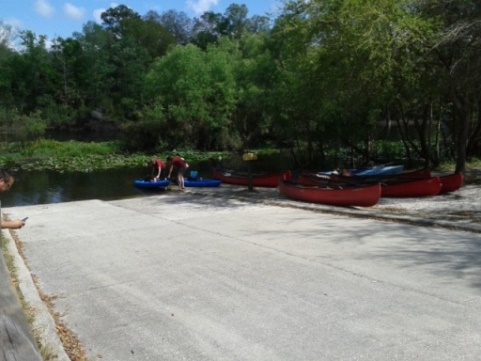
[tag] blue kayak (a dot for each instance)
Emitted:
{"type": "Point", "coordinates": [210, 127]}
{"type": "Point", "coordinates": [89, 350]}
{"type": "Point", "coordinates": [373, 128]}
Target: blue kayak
{"type": "Point", "coordinates": [380, 171]}
{"type": "Point", "coordinates": [140, 183]}
{"type": "Point", "coordinates": [375, 171]}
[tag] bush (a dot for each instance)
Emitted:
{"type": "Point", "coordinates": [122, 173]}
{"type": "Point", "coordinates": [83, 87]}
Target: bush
{"type": "Point", "coordinates": [147, 134]}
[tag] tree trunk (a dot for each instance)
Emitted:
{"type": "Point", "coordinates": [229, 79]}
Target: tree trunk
{"type": "Point", "coordinates": [463, 116]}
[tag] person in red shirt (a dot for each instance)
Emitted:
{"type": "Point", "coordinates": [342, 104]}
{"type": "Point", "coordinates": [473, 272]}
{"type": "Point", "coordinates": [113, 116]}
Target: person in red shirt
{"type": "Point", "coordinates": [181, 165]}
{"type": "Point", "coordinates": [158, 166]}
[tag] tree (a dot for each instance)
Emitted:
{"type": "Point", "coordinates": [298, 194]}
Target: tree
{"type": "Point", "coordinates": [349, 55]}
{"type": "Point", "coordinates": [235, 21]}
{"type": "Point", "coordinates": [195, 90]}
{"type": "Point", "coordinates": [33, 80]}
{"type": "Point", "coordinates": [5, 65]}
{"type": "Point", "coordinates": [258, 24]}
{"type": "Point", "coordinates": [134, 45]}
{"type": "Point", "coordinates": [149, 35]}
{"type": "Point", "coordinates": [114, 19]}
{"type": "Point", "coordinates": [458, 52]}
{"type": "Point", "coordinates": [95, 69]}
{"type": "Point", "coordinates": [256, 74]}
{"type": "Point", "coordinates": [177, 23]}
{"type": "Point", "coordinates": [206, 29]}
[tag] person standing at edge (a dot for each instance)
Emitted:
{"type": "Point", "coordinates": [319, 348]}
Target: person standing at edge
{"type": "Point", "coordinates": [6, 182]}
{"type": "Point", "coordinates": [181, 166]}
{"type": "Point", "coordinates": [158, 166]}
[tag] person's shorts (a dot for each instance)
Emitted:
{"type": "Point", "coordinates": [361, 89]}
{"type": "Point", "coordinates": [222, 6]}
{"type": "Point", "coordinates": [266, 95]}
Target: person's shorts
{"type": "Point", "coordinates": [182, 170]}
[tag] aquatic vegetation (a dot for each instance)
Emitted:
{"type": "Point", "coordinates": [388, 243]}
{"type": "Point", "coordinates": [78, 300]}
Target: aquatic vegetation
{"type": "Point", "coordinates": [80, 156]}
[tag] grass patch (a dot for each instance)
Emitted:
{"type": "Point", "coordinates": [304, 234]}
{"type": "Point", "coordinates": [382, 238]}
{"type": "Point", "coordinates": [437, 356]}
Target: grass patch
{"type": "Point", "coordinates": [81, 156]}
{"type": "Point", "coordinates": [51, 148]}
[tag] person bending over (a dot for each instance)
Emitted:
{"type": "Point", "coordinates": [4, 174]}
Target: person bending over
{"type": "Point", "coordinates": [181, 165]}
{"type": "Point", "coordinates": [158, 166]}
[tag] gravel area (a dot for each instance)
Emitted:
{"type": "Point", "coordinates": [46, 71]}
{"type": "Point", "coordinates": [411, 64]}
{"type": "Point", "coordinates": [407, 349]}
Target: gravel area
{"type": "Point", "coordinates": [460, 207]}
{"type": "Point", "coordinates": [463, 205]}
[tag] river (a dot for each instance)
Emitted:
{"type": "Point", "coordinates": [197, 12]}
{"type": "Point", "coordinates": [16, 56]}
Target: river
{"type": "Point", "coordinates": [44, 187]}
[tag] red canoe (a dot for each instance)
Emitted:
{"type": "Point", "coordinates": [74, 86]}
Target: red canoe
{"type": "Point", "coordinates": [258, 180]}
{"type": "Point", "coordinates": [307, 178]}
{"type": "Point", "coordinates": [349, 196]}
{"type": "Point", "coordinates": [424, 187]}
{"type": "Point", "coordinates": [418, 173]}
{"type": "Point", "coordinates": [390, 187]}
{"type": "Point", "coordinates": [451, 182]}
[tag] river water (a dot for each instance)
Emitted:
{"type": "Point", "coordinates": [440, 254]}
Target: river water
{"type": "Point", "coordinates": [44, 187]}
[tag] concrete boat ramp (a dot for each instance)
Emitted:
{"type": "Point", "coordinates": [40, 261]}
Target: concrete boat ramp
{"type": "Point", "coordinates": [191, 276]}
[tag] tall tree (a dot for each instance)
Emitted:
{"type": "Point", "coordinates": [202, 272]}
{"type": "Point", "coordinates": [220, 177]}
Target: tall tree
{"type": "Point", "coordinates": [459, 53]}
{"type": "Point", "coordinates": [196, 92]}
{"type": "Point", "coordinates": [136, 42]}
{"type": "Point", "coordinates": [206, 29]}
{"type": "Point", "coordinates": [177, 23]}
{"type": "Point", "coordinates": [353, 51]}
{"type": "Point", "coordinates": [256, 75]}
{"type": "Point", "coordinates": [114, 19]}
{"type": "Point", "coordinates": [34, 80]}
{"type": "Point", "coordinates": [97, 71]}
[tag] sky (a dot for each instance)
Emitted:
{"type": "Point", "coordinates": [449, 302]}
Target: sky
{"type": "Point", "coordinates": [62, 18]}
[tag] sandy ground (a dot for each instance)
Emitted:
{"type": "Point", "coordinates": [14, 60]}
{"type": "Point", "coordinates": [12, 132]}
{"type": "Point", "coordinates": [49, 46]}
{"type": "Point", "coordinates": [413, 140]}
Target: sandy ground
{"type": "Point", "coordinates": [463, 205]}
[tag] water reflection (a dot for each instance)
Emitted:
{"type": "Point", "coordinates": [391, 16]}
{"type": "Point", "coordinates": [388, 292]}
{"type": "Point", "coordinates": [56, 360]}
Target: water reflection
{"type": "Point", "coordinates": [43, 187]}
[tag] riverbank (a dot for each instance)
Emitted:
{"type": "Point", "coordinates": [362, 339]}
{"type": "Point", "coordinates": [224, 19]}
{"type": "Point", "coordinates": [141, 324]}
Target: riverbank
{"type": "Point", "coordinates": [76, 156]}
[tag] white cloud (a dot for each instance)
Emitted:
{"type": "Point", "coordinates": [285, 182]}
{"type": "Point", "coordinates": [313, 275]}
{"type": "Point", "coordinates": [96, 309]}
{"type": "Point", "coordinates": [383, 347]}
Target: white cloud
{"type": "Point", "coordinates": [201, 6]}
{"type": "Point", "coordinates": [8, 31]}
{"type": "Point", "coordinates": [97, 14]}
{"type": "Point", "coordinates": [73, 12]}
{"type": "Point", "coordinates": [43, 8]}
{"type": "Point", "coordinates": [14, 23]}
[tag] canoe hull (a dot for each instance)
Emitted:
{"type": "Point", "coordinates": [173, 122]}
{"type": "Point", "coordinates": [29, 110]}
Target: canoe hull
{"type": "Point", "coordinates": [269, 180]}
{"type": "Point", "coordinates": [412, 188]}
{"type": "Point", "coordinates": [451, 182]}
{"type": "Point", "coordinates": [351, 196]}
{"type": "Point", "coordinates": [395, 187]}
{"type": "Point", "coordinates": [308, 178]}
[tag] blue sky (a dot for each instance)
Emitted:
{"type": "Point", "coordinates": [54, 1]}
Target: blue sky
{"type": "Point", "coordinates": [62, 18]}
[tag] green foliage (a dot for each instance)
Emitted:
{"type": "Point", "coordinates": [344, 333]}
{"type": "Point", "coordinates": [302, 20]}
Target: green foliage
{"type": "Point", "coordinates": [116, 18]}
{"type": "Point", "coordinates": [34, 127]}
{"type": "Point", "coordinates": [81, 156]}
{"type": "Point", "coordinates": [52, 148]}
{"type": "Point", "coordinates": [196, 92]}
{"type": "Point", "coordinates": [146, 134]}
{"type": "Point", "coordinates": [388, 150]}
{"type": "Point", "coordinates": [325, 78]}
{"type": "Point", "coordinates": [18, 127]}
{"type": "Point", "coordinates": [63, 156]}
